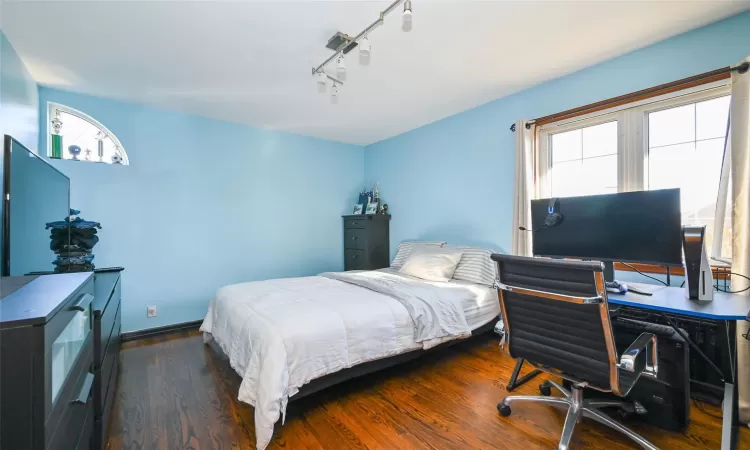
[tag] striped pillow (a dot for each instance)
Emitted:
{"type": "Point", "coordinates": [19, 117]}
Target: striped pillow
{"type": "Point", "coordinates": [476, 266]}
{"type": "Point", "coordinates": [405, 248]}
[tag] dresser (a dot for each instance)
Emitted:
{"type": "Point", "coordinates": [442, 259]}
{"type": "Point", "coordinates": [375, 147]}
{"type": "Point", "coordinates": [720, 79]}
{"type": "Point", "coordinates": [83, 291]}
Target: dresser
{"type": "Point", "coordinates": [107, 330]}
{"type": "Point", "coordinates": [366, 241]}
{"type": "Point", "coordinates": [46, 361]}
{"type": "Point", "coordinates": [59, 347]}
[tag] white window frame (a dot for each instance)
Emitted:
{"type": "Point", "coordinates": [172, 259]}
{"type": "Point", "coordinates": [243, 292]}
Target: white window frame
{"type": "Point", "coordinates": [52, 107]}
{"type": "Point", "coordinates": [632, 142]}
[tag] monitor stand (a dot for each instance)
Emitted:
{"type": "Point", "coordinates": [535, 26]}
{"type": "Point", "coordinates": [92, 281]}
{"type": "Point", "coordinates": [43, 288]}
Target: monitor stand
{"type": "Point", "coordinates": [609, 277]}
{"type": "Point", "coordinates": [609, 271]}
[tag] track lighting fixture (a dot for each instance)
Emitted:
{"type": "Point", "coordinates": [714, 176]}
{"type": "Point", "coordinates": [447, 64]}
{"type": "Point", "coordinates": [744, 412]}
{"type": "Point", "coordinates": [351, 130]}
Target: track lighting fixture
{"type": "Point", "coordinates": [342, 44]}
{"type": "Point", "coordinates": [322, 82]}
{"type": "Point", "coordinates": [341, 68]}
{"type": "Point", "coordinates": [334, 93]}
{"type": "Point", "coordinates": [406, 16]}
{"type": "Point", "coordinates": [364, 51]}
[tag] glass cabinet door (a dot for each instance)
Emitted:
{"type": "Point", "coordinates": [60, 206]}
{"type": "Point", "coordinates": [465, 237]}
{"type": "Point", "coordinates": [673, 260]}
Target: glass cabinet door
{"type": "Point", "coordinates": [68, 345]}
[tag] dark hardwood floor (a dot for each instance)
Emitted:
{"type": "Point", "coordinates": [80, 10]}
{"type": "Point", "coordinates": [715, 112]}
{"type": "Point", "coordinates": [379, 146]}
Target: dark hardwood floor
{"type": "Point", "coordinates": [176, 393]}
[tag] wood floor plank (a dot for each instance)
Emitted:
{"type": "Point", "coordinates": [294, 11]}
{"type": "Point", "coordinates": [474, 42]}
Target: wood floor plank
{"type": "Point", "coordinates": [174, 392]}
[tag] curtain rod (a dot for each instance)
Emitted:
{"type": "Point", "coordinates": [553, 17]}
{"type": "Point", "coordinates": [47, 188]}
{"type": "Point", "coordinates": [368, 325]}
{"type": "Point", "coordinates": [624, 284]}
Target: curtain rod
{"type": "Point", "coordinates": [644, 93]}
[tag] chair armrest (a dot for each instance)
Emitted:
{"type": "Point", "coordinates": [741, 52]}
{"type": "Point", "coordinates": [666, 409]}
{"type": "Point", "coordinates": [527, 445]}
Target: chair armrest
{"type": "Point", "coordinates": [641, 356]}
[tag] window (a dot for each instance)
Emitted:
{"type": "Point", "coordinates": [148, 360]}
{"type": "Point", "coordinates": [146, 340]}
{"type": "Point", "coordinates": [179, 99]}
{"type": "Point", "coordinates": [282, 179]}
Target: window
{"type": "Point", "coordinates": [672, 141]}
{"type": "Point", "coordinates": [76, 136]}
{"type": "Point", "coordinates": [584, 161]}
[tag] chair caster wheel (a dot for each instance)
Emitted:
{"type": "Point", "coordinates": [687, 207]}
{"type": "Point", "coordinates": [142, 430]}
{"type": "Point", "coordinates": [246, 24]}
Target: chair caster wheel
{"type": "Point", "coordinates": [503, 409]}
{"type": "Point", "coordinates": [545, 389]}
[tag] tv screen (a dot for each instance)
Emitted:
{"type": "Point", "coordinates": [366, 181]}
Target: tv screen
{"type": "Point", "coordinates": [34, 193]}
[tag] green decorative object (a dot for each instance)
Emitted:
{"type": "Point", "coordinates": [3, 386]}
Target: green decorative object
{"type": "Point", "coordinates": [56, 137]}
{"type": "Point", "coordinates": [56, 146]}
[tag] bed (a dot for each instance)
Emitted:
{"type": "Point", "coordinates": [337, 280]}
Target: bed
{"type": "Point", "coordinates": [290, 337]}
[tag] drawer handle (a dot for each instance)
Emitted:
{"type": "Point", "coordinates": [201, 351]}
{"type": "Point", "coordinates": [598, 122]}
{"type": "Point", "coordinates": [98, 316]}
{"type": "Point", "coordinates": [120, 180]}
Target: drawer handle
{"type": "Point", "coordinates": [354, 238]}
{"type": "Point", "coordinates": [354, 257]}
{"type": "Point", "coordinates": [82, 303]}
{"type": "Point", "coordinates": [83, 396]}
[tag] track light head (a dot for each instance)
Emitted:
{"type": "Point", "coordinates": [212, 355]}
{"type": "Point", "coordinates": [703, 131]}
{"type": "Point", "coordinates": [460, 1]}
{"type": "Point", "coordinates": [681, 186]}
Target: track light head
{"type": "Point", "coordinates": [341, 68]}
{"type": "Point", "coordinates": [406, 17]}
{"type": "Point", "coordinates": [334, 94]}
{"type": "Point", "coordinates": [364, 51]}
{"type": "Point", "coordinates": [321, 80]}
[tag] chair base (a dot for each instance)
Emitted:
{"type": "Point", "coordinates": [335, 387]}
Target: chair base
{"type": "Point", "coordinates": [577, 408]}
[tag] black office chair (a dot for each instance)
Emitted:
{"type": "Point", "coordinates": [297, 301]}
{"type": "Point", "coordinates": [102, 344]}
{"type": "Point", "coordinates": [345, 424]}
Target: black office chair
{"type": "Point", "coordinates": [556, 318]}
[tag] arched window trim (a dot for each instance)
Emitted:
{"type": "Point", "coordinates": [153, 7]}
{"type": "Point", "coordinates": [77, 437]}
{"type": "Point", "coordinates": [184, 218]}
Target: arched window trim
{"type": "Point", "coordinates": [52, 107]}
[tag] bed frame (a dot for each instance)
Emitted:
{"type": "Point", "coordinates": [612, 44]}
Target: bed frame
{"type": "Point", "coordinates": [363, 369]}
{"type": "Point", "coordinates": [369, 367]}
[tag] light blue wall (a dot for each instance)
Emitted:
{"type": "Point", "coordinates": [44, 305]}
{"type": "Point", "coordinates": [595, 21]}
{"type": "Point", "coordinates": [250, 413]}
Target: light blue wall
{"type": "Point", "coordinates": [453, 179]}
{"type": "Point", "coordinates": [206, 203]}
{"type": "Point", "coordinates": [19, 98]}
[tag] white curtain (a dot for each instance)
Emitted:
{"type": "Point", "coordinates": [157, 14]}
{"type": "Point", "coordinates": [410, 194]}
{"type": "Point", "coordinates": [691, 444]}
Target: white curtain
{"type": "Point", "coordinates": [524, 189]}
{"type": "Point", "coordinates": [740, 119]}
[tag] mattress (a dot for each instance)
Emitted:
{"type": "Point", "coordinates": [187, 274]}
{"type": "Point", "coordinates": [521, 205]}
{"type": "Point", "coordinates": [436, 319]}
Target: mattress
{"type": "Point", "coordinates": [483, 308]}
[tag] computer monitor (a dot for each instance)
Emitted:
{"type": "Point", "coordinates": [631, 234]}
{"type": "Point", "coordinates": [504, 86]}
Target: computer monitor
{"type": "Point", "coordinates": [640, 227]}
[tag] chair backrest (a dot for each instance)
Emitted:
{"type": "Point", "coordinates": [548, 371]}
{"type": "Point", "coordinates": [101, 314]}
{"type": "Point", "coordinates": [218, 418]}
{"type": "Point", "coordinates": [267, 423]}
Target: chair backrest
{"type": "Point", "coordinates": [556, 317]}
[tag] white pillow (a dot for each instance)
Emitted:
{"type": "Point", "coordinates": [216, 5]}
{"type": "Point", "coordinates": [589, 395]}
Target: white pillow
{"type": "Point", "coordinates": [432, 264]}
{"type": "Point", "coordinates": [405, 248]}
{"type": "Point", "coordinates": [475, 266]}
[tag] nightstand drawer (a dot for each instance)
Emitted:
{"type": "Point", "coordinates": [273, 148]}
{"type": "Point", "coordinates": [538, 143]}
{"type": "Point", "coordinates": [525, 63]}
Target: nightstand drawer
{"type": "Point", "coordinates": [354, 259]}
{"type": "Point", "coordinates": [355, 238]}
{"type": "Point", "coordinates": [354, 222]}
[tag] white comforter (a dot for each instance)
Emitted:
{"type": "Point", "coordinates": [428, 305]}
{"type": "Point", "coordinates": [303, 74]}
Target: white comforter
{"type": "Point", "coordinates": [281, 334]}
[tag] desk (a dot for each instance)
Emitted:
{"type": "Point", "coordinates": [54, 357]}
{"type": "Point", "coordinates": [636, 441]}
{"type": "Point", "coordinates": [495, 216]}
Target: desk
{"type": "Point", "coordinates": [672, 300]}
{"type": "Point", "coordinates": [726, 309]}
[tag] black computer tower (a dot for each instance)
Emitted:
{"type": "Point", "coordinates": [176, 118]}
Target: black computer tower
{"type": "Point", "coordinates": [667, 398]}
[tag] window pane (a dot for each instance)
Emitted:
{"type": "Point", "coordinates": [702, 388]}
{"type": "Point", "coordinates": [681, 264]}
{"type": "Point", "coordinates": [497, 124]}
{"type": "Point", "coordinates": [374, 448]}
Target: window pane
{"type": "Point", "coordinates": [695, 169]}
{"type": "Point", "coordinates": [566, 146]}
{"type": "Point", "coordinates": [711, 118]}
{"type": "Point", "coordinates": [600, 140]}
{"type": "Point", "coordinates": [671, 167]}
{"type": "Point", "coordinates": [671, 126]}
{"type": "Point", "coordinates": [585, 177]}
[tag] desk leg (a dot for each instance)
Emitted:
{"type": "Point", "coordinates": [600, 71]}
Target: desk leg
{"type": "Point", "coordinates": [730, 409]}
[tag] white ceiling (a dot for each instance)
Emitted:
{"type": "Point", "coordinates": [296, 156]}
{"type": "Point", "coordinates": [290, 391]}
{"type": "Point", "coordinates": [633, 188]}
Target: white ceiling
{"type": "Point", "coordinates": [249, 62]}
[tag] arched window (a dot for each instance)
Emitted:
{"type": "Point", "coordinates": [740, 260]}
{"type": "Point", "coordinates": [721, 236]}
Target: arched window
{"type": "Point", "coordinates": [78, 136]}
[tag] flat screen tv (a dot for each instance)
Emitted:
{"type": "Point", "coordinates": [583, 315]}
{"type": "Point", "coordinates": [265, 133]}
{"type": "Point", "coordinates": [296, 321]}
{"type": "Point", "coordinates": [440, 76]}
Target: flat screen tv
{"type": "Point", "coordinates": [34, 193]}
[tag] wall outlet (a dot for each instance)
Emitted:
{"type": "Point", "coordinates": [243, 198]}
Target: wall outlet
{"type": "Point", "coordinates": [151, 311]}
